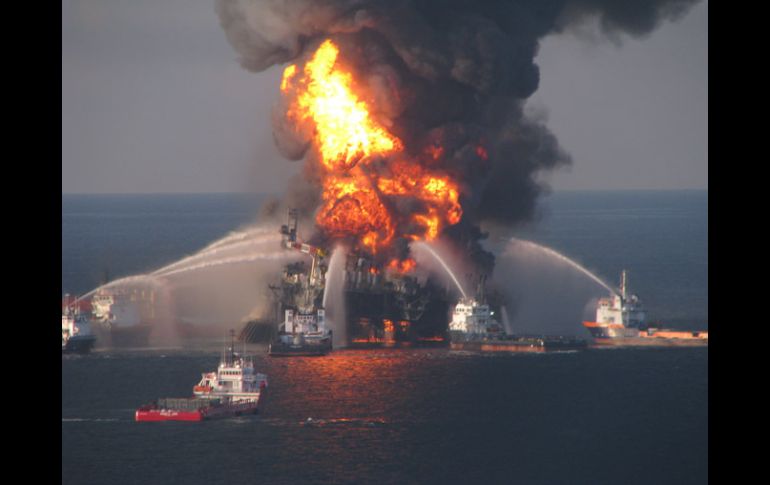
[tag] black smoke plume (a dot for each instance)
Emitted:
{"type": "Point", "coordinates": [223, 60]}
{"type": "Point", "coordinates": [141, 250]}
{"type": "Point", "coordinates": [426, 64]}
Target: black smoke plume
{"type": "Point", "coordinates": [448, 73]}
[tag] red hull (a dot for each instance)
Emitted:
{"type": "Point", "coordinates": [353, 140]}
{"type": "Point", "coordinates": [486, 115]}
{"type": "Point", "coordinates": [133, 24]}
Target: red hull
{"type": "Point", "coordinates": [153, 414]}
{"type": "Point", "coordinates": [167, 415]}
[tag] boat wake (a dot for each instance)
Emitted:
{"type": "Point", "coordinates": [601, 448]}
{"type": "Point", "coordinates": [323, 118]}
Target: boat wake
{"type": "Point", "coordinates": [349, 422]}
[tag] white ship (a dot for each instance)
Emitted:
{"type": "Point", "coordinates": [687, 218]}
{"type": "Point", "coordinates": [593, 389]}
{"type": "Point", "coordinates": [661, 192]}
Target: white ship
{"type": "Point", "coordinates": [621, 320]}
{"type": "Point", "coordinates": [76, 335]}
{"type": "Point", "coordinates": [234, 379]}
{"type": "Point", "coordinates": [473, 327]}
{"type": "Point", "coordinates": [618, 316]}
{"type": "Point", "coordinates": [472, 320]}
{"type": "Point", "coordinates": [303, 334]}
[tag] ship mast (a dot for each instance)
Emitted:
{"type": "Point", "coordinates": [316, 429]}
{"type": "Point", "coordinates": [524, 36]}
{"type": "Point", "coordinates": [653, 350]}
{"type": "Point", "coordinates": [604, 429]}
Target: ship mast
{"type": "Point", "coordinates": [228, 356]}
{"type": "Point", "coordinates": [623, 285]}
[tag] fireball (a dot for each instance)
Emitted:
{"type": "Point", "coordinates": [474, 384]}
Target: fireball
{"type": "Point", "coordinates": [360, 197]}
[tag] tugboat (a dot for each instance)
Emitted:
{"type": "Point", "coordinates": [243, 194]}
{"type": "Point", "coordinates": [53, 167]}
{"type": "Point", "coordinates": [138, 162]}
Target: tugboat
{"type": "Point", "coordinates": [76, 336]}
{"type": "Point", "coordinates": [473, 327]}
{"type": "Point", "coordinates": [620, 320]}
{"type": "Point", "coordinates": [302, 334]}
{"type": "Point", "coordinates": [234, 389]}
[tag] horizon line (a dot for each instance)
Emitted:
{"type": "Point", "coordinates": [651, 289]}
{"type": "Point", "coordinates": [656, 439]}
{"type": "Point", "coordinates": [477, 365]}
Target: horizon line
{"type": "Point", "coordinates": [544, 194]}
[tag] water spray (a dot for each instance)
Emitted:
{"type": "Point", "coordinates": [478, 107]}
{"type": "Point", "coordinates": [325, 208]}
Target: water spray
{"type": "Point", "coordinates": [334, 296]}
{"type": "Point", "coordinates": [228, 261]}
{"type": "Point", "coordinates": [212, 251]}
{"type": "Point", "coordinates": [443, 264]}
{"type": "Point", "coordinates": [561, 257]}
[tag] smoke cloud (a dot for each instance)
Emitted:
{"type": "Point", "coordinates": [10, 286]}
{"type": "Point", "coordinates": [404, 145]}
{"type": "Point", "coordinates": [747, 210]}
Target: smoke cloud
{"type": "Point", "coordinates": [447, 77]}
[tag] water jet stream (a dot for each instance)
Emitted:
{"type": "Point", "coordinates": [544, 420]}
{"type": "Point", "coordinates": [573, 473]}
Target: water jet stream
{"type": "Point", "coordinates": [334, 296]}
{"type": "Point", "coordinates": [564, 259]}
{"type": "Point", "coordinates": [236, 236]}
{"type": "Point", "coordinates": [441, 261]}
{"type": "Point", "coordinates": [231, 260]}
{"type": "Point", "coordinates": [211, 251]}
{"type": "Point", "coordinates": [138, 279]}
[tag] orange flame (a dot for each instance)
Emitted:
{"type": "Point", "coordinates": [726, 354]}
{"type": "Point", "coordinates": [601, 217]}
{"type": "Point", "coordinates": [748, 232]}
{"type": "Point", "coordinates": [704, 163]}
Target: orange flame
{"type": "Point", "coordinates": [288, 74]}
{"type": "Point", "coordinates": [403, 266]}
{"type": "Point", "coordinates": [357, 196]}
{"type": "Point", "coordinates": [345, 130]}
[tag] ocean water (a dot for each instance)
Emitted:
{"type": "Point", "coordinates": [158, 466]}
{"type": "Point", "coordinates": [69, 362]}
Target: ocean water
{"type": "Point", "coordinates": [611, 416]}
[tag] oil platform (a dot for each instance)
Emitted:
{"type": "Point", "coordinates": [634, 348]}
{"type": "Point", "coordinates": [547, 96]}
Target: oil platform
{"type": "Point", "coordinates": [384, 304]}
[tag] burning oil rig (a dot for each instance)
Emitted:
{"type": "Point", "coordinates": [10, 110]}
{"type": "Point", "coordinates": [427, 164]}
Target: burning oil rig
{"type": "Point", "coordinates": [387, 306]}
{"type": "Point", "coordinates": [383, 303]}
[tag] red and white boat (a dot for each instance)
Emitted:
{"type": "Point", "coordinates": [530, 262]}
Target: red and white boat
{"type": "Point", "coordinates": [234, 389]}
{"type": "Point", "coordinates": [620, 320]}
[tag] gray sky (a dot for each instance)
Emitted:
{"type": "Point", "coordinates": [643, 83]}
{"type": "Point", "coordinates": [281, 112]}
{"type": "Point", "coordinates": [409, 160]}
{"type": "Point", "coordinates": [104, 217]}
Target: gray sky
{"type": "Point", "coordinates": [153, 100]}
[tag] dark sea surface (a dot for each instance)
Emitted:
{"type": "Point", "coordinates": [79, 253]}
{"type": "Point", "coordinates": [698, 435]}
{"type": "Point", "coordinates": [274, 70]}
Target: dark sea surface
{"type": "Point", "coordinates": [609, 416]}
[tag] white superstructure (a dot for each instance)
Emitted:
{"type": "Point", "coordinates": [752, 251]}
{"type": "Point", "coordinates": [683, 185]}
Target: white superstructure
{"type": "Point", "coordinates": [472, 317]}
{"type": "Point", "coordinates": [620, 308]}
{"type": "Point", "coordinates": [234, 378]}
{"type": "Point", "coordinates": [310, 326]}
{"type": "Point", "coordinates": [76, 335]}
{"type": "Point", "coordinates": [618, 316]}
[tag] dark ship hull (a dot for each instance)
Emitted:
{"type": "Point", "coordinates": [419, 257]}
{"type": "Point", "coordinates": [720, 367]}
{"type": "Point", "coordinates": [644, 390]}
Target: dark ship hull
{"type": "Point", "coordinates": [78, 345]}
{"type": "Point", "coordinates": [517, 343]}
{"type": "Point", "coordinates": [281, 348]}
